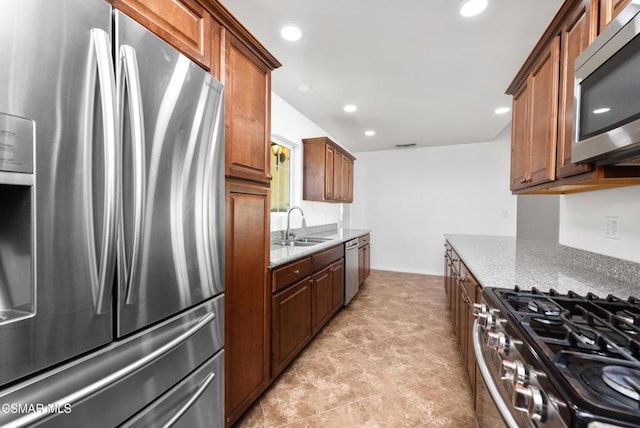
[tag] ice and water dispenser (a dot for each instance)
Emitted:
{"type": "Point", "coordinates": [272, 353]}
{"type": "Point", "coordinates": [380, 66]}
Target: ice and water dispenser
{"type": "Point", "coordinates": [17, 200]}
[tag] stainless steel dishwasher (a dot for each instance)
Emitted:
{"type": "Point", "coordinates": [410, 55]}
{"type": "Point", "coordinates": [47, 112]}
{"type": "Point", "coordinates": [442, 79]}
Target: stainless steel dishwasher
{"type": "Point", "coordinates": [351, 270]}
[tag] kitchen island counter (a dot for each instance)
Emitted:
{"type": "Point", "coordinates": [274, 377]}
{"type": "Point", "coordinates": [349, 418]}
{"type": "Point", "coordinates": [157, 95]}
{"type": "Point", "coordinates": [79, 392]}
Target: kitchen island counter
{"type": "Point", "coordinates": [503, 262]}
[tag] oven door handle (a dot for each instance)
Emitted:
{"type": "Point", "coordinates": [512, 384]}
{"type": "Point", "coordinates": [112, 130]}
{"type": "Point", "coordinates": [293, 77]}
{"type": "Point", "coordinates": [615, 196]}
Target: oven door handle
{"type": "Point", "coordinates": [503, 407]}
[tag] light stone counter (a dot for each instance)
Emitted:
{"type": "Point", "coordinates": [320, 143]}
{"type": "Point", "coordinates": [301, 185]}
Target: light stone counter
{"type": "Point", "coordinates": [281, 255]}
{"type": "Point", "coordinates": [504, 262]}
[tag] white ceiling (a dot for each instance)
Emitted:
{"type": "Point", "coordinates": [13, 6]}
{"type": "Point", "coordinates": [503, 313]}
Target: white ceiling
{"type": "Point", "coordinates": [417, 71]}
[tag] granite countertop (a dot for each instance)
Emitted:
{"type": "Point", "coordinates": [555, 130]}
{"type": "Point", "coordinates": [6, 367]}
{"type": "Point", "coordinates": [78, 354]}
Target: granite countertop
{"type": "Point", "coordinates": [281, 255]}
{"type": "Point", "coordinates": [504, 262]}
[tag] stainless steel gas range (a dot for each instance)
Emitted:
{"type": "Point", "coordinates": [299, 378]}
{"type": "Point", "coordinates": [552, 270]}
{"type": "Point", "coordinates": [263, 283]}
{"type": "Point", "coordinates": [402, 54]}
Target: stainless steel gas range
{"type": "Point", "coordinates": [553, 360]}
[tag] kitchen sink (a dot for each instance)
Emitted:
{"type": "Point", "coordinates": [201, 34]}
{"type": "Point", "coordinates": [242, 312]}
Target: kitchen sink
{"type": "Point", "coordinates": [302, 242]}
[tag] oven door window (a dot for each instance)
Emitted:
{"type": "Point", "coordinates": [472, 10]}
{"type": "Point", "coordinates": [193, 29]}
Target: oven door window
{"type": "Point", "coordinates": [609, 96]}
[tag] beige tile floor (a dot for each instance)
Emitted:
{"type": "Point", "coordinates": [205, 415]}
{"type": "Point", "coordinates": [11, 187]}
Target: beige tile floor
{"type": "Point", "coordinates": [389, 359]}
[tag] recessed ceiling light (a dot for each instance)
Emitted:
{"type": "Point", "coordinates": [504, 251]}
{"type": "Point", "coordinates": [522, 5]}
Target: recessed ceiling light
{"type": "Point", "coordinates": [502, 110]}
{"type": "Point", "coordinates": [370, 133]}
{"type": "Point", "coordinates": [601, 110]}
{"type": "Point", "coordinates": [473, 7]}
{"type": "Point", "coordinates": [304, 87]}
{"type": "Point", "coordinates": [291, 32]}
{"type": "Point", "coordinates": [350, 108]}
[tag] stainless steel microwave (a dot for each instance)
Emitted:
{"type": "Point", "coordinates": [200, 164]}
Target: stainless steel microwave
{"type": "Point", "coordinates": [607, 94]}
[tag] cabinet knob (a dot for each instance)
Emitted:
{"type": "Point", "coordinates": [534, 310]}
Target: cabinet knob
{"type": "Point", "coordinates": [524, 180]}
{"type": "Point", "coordinates": [297, 271]}
{"type": "Point", "coordinates": [270, 177]}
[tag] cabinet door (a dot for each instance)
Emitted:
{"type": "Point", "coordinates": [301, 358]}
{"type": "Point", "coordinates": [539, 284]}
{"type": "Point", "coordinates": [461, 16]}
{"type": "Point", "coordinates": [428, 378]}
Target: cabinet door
{"type": "Point", "coordinates": [366, 261]}
{"type": "Point", "coordinates": [337, 175]}
{"type": "Point", "coordinates": [349, 180]}
{"type": "Point", "coordinates": [322, 302]}
{"type": "Point", "coordinates": [337, 286]}
{"type": "Point", "coordinates": [247, 298]}
{"type": "Point", "coordinates": [575, 37]}
{"type": "Point", "coordinates": [344, 179]}
{"type": "Point", "coordinates": [247, 102]}
{"type": "Point", "coordinates": [182, 23]}
{"type": "Point", "coordinates": [543, 84]}
{"type": "Point", "coordinates": [520, 140]}
{"type": "Point", "coordinates": [291, 324]}
{"type": "Point", "coordinates": [360, 265]}
{"type": "Point", "coordinates": [609, 9]}
{"type": "Point", "coordinates": [329, 157]}
{"type": "Point", "coordinates": [462, 318]}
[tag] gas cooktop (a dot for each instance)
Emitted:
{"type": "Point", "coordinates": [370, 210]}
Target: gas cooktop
{"type": "Point", "coordinates": [588, 346]}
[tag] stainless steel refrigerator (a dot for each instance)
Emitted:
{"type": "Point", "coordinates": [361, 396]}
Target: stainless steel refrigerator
{"type": "Point", "coordinates": [111, 223]}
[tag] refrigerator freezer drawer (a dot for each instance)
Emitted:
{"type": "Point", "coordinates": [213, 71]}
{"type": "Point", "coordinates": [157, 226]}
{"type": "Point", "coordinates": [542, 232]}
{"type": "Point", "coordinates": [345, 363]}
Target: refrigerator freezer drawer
{"type": "Point", "coordinates": [195, 402]}
{"type": "Point", "coordinates": [108, 387]}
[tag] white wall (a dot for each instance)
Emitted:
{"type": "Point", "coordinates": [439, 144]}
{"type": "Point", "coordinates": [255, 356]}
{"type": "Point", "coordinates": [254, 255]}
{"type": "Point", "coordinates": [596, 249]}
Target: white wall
{"type": "Point", "coordinates": [410, 198]}
{"type": "Point", "coordinates": [582, 221]}
{"type": "Point", "coordinates": [289, 126]}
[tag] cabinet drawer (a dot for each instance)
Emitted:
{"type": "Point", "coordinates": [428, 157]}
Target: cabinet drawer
{"type": "Point", "coordinates": [325, 258]}
{"type": "Point", "coordinates": [364, 240]}
{"type": "Point", "coordinates": [287, 275]}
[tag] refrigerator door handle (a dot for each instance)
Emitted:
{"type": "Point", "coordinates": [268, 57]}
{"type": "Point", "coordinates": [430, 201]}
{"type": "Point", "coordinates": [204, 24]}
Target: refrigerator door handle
{"type": "Point", "coordinates": [117, 376]}
{"type": "Point", "coordinates": [129, 83]}
{"type": "Point", "coordinates": [103, 270]}
{"type": "Point", "coordinates": [202, 386]}
{"type": "Point", "coordinates": [211, 214]}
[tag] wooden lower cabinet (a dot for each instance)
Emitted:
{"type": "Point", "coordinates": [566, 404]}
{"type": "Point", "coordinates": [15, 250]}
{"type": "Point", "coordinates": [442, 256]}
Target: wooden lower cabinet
{"type": "Point", "coordinates": [364, 263]}
{"type": "Point", "coordinates": [364, 258]}
{"type": "Point", "coordinates": [291, 323]}
{"type": "Point", "coordinates": [463, 291]}
{"type": "Point", "coordinates": [337, 286]}
{"type": "Point", "coordinates": [247, 297]}
{"type": "Point", "coordinates": [300, 310]}
{"type": "Point", "coordinates": [328, 294]}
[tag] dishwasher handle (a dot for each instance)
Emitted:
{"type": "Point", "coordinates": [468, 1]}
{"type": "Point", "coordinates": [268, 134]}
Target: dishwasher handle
{"type": "Point", "coordinates": [352, 244]}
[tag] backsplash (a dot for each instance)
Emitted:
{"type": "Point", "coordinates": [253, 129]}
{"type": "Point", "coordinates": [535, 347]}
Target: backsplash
{"type": "Point", "coordinates": [278, 235]}
{"type": "Point", "coordinates": [623, 270]}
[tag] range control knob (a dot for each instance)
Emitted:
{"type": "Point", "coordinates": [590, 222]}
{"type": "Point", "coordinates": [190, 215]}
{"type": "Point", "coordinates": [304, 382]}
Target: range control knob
{"type": "Point", "coordinates": [489, 320]}
{"type": "Point", "coordinates": [479, 308]}
{"type": "Point", "coordinates": [515, 371]}
{"type": "Point", "coordinates": [498, 341]}
{"type": "Point", "coordinates": [486, 321]}
{"type": "Point", "coordinates": [531, 400]}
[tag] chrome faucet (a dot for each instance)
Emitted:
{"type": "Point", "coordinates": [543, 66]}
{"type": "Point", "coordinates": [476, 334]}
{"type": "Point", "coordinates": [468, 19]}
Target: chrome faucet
{"type": "Point", "coordinates": [289, 233]}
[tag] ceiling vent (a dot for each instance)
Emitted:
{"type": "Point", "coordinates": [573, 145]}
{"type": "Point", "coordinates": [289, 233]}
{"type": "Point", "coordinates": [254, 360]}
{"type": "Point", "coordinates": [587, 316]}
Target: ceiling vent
{"type": "Point", "coordinates": [404, 146]}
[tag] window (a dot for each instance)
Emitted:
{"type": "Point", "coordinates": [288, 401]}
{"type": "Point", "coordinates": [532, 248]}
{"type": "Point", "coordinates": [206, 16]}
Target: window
{"type": "Point", "coordinates": [281, 181]}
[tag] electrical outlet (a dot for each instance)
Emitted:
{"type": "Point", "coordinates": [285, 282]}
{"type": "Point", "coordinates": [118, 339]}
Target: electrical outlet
{"type": "Point", "coordinates": [612, 227]}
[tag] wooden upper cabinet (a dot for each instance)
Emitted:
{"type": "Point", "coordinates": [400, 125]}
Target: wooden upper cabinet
{"type": "Point", "coordinates": [575, 36]}
{"type": "Point", "coordinates": [247, 101]}
{"type": "Point", "coordinates": [520, 140]}
{"type": "Point", "coordinates": [185, 24]}
{"type": "Point", "coordinates": [329, 158]}
{"type": "Point", "coordinates": [543, 107]}
{"type": "Point", "coordinates": [543, 84]}
{"type": "Point", "coordinates": [534, 130]}
{"type": "Point", "coordinates": [327, 171]}
{"type": "Point", "coordinates": [609, 9]}
{"type": "Point", "coordinates": [350, 180]}
{"type": "Point", "coordinates": [337, 175]}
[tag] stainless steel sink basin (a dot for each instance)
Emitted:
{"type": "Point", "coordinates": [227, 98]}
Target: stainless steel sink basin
{"type": "Point", "coordinates": [314, 240]}
{"type": "Point", "coordinates": [302, 242]}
